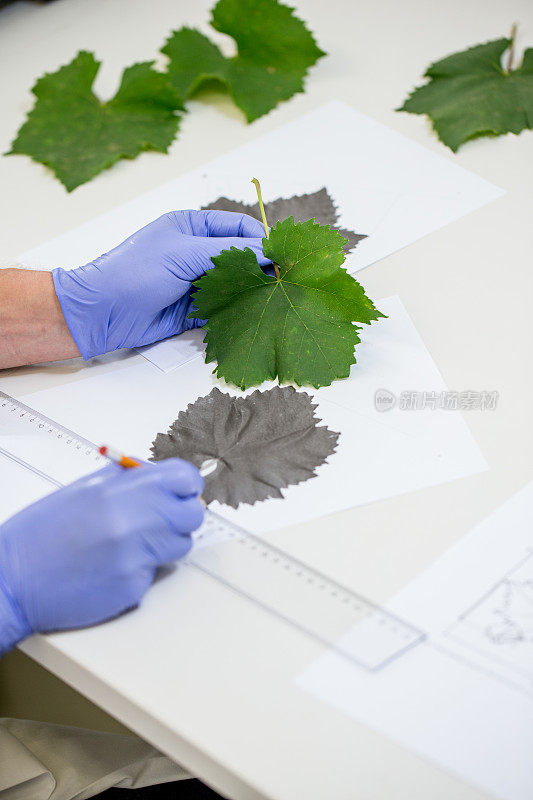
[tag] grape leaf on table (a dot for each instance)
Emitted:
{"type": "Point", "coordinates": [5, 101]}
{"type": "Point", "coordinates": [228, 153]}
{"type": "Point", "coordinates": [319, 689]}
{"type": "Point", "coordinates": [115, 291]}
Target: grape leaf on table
{"type": "Point", "coordinates": [300, 328]}
{"type": "Point", "coordinates": [77, 136]}
{"type": "Point", "coordinates": [317, 205]}
{"type": "Point", "coordinates": [470, 94]}
{"type": "Point", "coordinates": [261, 443]}
{"type": "Point", "coordinates": [275, 51]}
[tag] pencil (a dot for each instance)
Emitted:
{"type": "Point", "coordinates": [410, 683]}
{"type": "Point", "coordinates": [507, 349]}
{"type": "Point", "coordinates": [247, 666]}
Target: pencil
{"type": "Point", "coordinates": [208, 466]}
{"type": "Point", "coordinates": [118, 458]}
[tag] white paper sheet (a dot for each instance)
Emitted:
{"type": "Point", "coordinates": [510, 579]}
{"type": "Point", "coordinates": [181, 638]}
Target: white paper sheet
{"type": "Point", "coordinates": [464, 698]}
{"type": "Point", "coordinates": [175, 351]}
{"type": "Point", "coordinates": [383, 184]}
{"type": "Point", "coordinates": [126, 402]}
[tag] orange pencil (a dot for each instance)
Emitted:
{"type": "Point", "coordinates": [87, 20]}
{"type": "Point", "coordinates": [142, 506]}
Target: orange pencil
{"type": "Point", "coordinates": [209, 465]}
{"type": "Point", "coordinates": [118, 458]}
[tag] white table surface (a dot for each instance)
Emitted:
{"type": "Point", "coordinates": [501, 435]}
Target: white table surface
{"type": "Point", "coordinates": [211, 684]}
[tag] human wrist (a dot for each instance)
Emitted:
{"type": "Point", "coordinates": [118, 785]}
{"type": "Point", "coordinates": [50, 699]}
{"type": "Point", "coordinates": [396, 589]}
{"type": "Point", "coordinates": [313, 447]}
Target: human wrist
{"type": "Point", "coordinates": [84, 307]}
{"type": "Point", "coordinates": [14, 627]}
{"type": "Point", "coordinates": [32, 326]}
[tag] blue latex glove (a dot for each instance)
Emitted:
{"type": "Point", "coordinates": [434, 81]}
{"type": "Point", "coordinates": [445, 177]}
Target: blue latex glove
{"type": "Point", "coordinates": [90, 551]}
{"type": "Point", "coordinates": [139, 292]}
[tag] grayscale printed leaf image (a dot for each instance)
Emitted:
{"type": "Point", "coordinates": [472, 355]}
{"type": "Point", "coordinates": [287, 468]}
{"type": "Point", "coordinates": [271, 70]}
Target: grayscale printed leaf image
{"type": "Point", "coordinates": [316, 205]}
{"type": "Point", "coordinates": [261, 443]}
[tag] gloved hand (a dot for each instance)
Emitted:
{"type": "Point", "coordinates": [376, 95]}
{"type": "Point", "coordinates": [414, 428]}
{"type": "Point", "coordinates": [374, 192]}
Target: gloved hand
{"type": "Point", "coordinates": [139, 292]}
{"type": "Point", "coordinates": [90, 551]}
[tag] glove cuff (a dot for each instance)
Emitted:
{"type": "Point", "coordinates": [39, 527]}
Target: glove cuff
{"type": "Point", "coordinates": [13, 626]}
{"type": "Point", "coordinates": [84, 309]}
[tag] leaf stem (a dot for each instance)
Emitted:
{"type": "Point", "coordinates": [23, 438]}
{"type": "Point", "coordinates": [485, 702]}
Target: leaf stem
{"type": "Point", "coordinates": [511, 47]}
{"type": "Point", "coordinates": [263, 217]}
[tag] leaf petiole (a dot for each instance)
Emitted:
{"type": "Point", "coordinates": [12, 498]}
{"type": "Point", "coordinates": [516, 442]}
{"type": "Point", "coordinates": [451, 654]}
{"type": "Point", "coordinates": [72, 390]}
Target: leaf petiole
{"type": "Point", "coordinates": [263, 216]}
{"type": "Point", "coordinates": [511, 48]}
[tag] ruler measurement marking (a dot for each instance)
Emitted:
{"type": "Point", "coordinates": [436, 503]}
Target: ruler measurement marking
{"type": "Point", "coordinates": [360, 604]}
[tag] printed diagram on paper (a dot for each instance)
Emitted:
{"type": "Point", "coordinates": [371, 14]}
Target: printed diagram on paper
{"type": "Point", "coordinates": [498, 628]}
{"type": "Point", "coordinates": [454, 697]}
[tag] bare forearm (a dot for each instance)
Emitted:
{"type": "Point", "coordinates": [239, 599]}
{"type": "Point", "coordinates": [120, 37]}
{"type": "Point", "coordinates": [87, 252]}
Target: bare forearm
{"type": "Point", "coordinates": [32, 325]}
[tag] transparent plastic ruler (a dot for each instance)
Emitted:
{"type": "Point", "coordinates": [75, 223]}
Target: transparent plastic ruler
{"type": "Point", "coordinates": [333, 615]}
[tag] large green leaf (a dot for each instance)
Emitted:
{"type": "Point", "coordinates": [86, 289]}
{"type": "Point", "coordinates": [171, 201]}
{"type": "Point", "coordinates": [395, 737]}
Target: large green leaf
{"type": "Point", "coordinates": [470, 94]}
{"type": "Point", "coordinates": [78, 136]}
{"type": "Point", "coordinates": [275, 50]}
{"type": "Point", "coordinates": [300, 327]}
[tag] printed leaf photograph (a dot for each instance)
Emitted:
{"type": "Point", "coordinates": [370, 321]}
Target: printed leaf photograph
{"type": "Point", "coordinates": [258, 444]}
{"type": "Point", "coordinates": [75, 134]}
{"type": "Point", "coordinates": [472, 93]}
{"type": "Point", "coordinates": [275, 52]}
{"type": "Point", "coordinates": [316, 205]}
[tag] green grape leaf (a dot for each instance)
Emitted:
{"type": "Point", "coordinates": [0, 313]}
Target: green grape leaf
{"type": "Point", "coordinates": [301, 328]}
{"type": "Point", "coordinates": [78, 136]}
{"type": "Point", "coordinates": [470, 94]}
{"type": "Point", "coordinates": [275, 50]}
